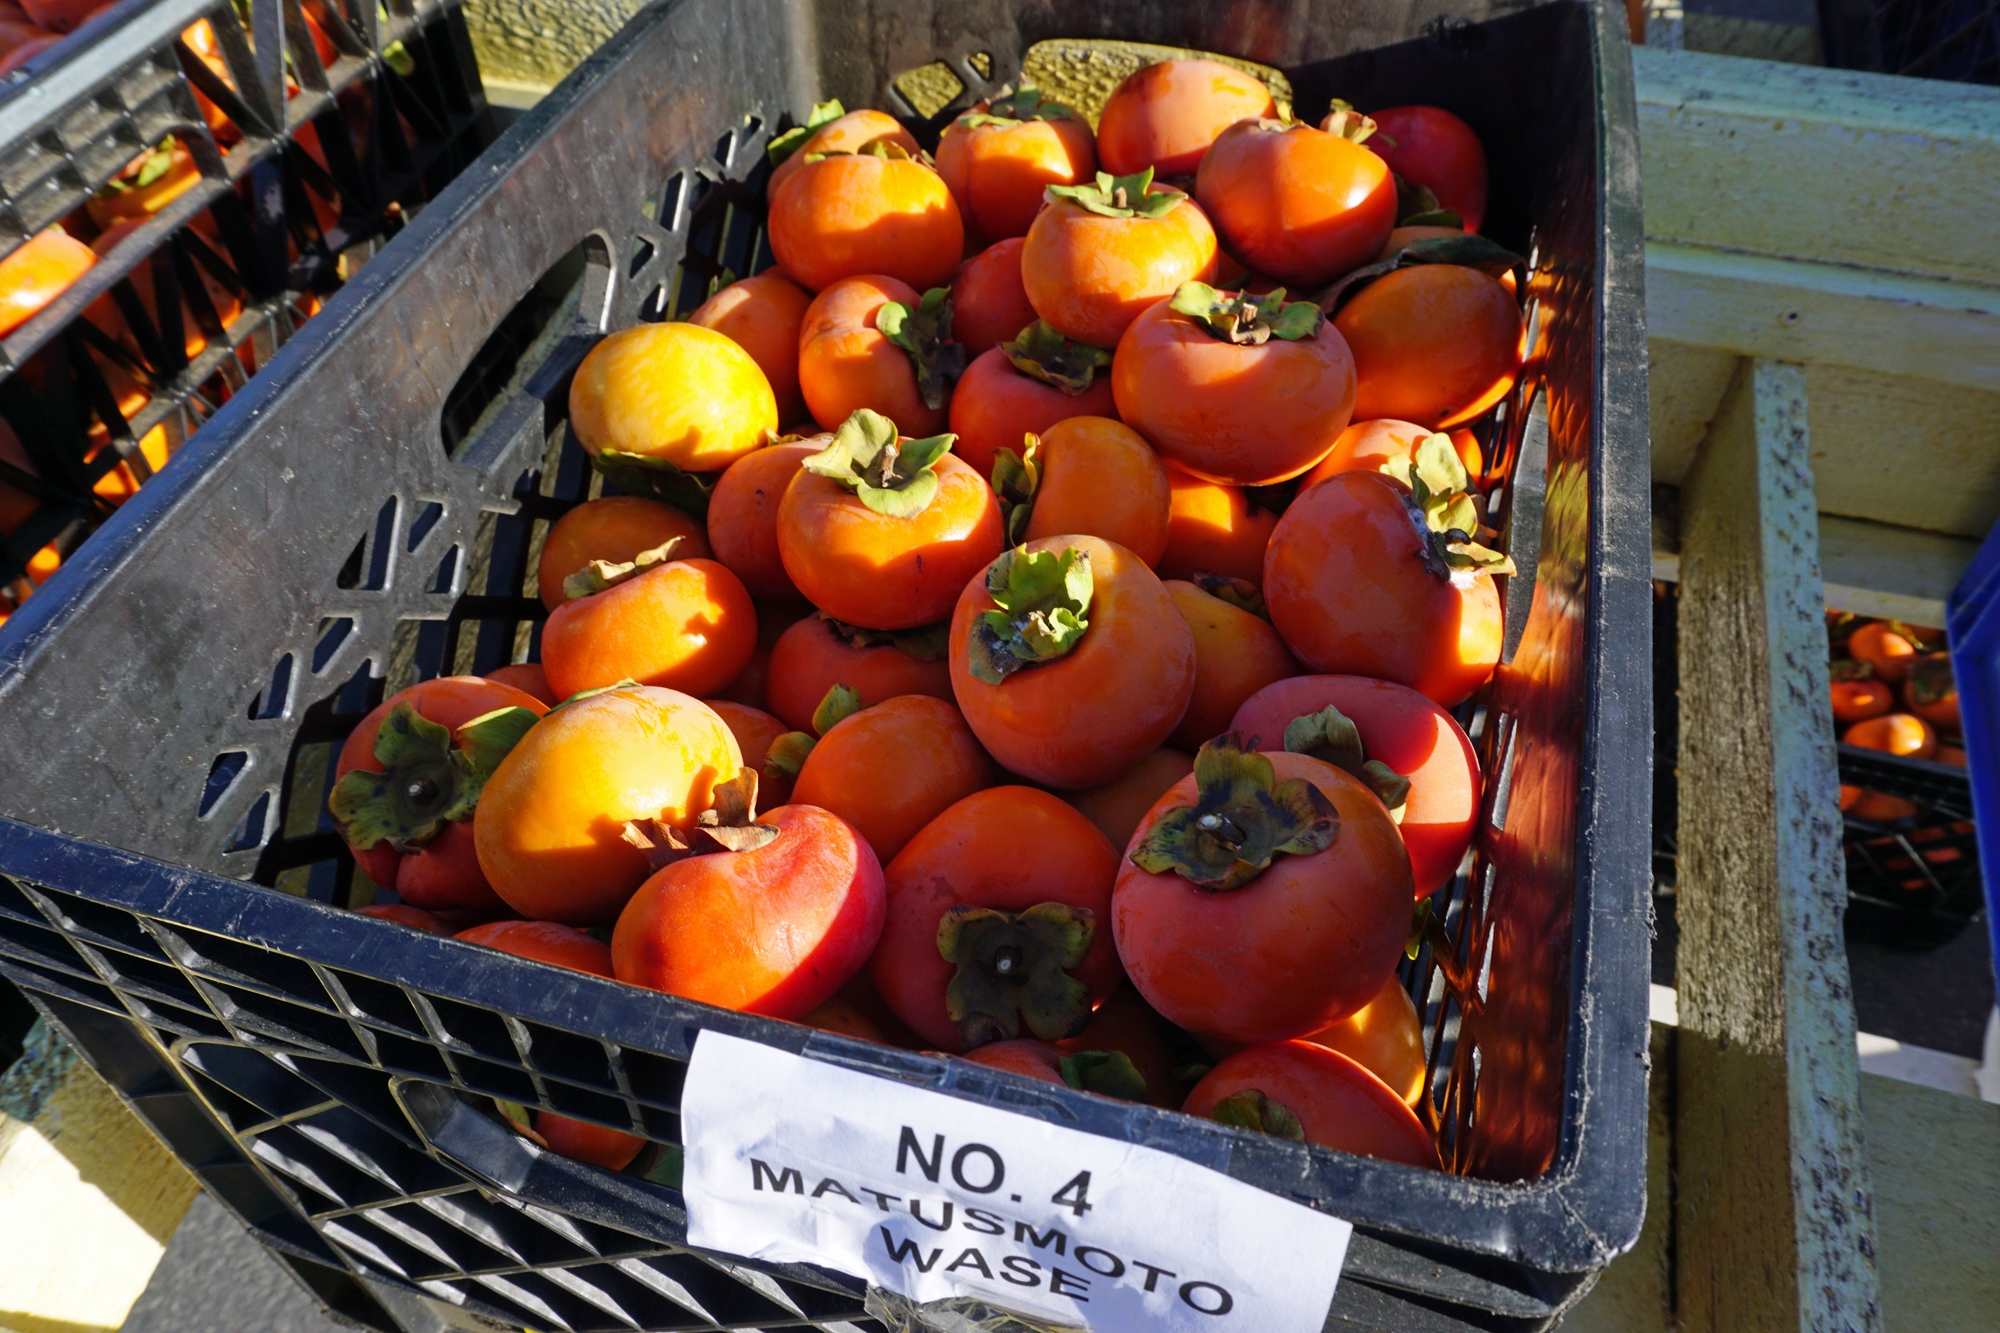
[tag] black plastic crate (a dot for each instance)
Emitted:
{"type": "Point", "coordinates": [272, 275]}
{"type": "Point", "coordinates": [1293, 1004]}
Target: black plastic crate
{"type": "Point", "coordinates": [310, 151]}
{"type": "Point", "coordinates": [1929, 39]}
{"type": "Point", "coordinates": [363, 515]}
{"type": "Point", "coordinates": [1913, 883]}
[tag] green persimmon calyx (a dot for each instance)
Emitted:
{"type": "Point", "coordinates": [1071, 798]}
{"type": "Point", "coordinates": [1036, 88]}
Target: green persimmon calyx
{"type": "Point", "coordinates": [653, 478]}
{"type": "Point", "coordinates": [1242, 820]}
{"type": "Point", "coordinates": [728, 825]}
{"type": "Point", "coordinates": [1344, 122]}
{"type": "Point", "coordinates": [1252, 1109]}
{"type": "Point", "coordinates": [426, 781]}
{"type": "Point", "coordinates": [892, 476]}
{"type": "Point", "coordinates": [1418, 206]}
{"type": "Point", "coordinates": [149, 166]}
{"type": "Point", "coordinates": [787, 754]}
{"type": "Point", "coordinates": [1329, 735]}
{"type": "Point", "coordinates": [1931, 680]}
{"type": "Point", "coordinates": [1246, 319]}
{"type": "Point", "coordinates": [784, 145]}
{"type": "Point", "coordinates": [925, 333]}
{"type": "Point", "coordinates": [1847, 668]}
{"type": "Point", "coordinates": [599, 575]}
{"type": "Point", "coordinates": [1443, 510]}
{"type": "Point", "coordinates": [1013, 969]}
{"type": "Point", "coordinates": [521, 1120]}
{"type": "Point", "coordinates": [1466, 250]}
{"type": "Point", "coordinates": [1044, 599]}
{"type": "Point", "coordinates": [1239, 593]}
{"type": "Point", "coordinates": [929, 643]}
{"type": "Point", "coordinates": [1041, 353]}
{"type": "Point", "coordinates": [1013, 106]}
{"type": "Point", "coordinates": [1119, 196]}
{"type": "Point", "coordinates": [1016, 478]}
{"type": "Point", "coordinates": [1108, 1073]}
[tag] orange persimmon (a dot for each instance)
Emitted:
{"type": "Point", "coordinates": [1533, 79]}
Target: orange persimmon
{"type": "Point", "coordinates": [39, 270]}
{"type": "Point", "coordinates": [1098, 255]}
{"type": "Point", "coordinates": [893, 768]}
{"type": "Point", "coordinates": [1117, 806]}
{"type": "Point", "coordinates": [754, 730]}
{"type": "Point", "coordinates": [1335, 1101]}
{"type": "Point", "coordinates": [1885, 648]}
{"type": "Point", "coordinates": [1166, 116]}
{"type": "Point", "coordinates": [1294, 202]}
{"type": "Point", "coordinates": [614, 529]}
{"type": "Point", "coordinates": [989, 304]}
{"type": "Point", "coordinates": [1930, 692]}
{"type": "Point", "coordinates": [999, 156]}
{"type": "Point", "coordinates": [743, 516]}
{"type": "Point", "coordinates": [1903, 734]}
{"type": "Point", "coordinates": [849, 133]}
{"type": "Point", "coordinates": [846, 361]}
{"type": "Point", "coordinates": [673, 394]}
{"type": "Point", "coordinates": [685, 625]}
{"type": "Point", "coordinates": [1858, 700]}
{"type": "Point", "coordinates": [1236, 654]}
{"type": "Point", "coordinates": [762, 315]}
{"type": "Point", "coordinates": [815, 654]}
{"type": "Point", "coordinates": [1369, 446]}
{"type": "Point", "coordinates": [1024, 1056]}
{"type": "Point", "coordinates": [1434, 344]}
{"type": "Point", "coordinates": [1214, 529]}
{"type": "Point", "coordinates": [1097, 477]}
{"type": "Point", "coordinates": [529, 679]}
{"type": "Point", "coordinates": [997, 401]}
{"type": "Point", "coordinates": [855, 213]}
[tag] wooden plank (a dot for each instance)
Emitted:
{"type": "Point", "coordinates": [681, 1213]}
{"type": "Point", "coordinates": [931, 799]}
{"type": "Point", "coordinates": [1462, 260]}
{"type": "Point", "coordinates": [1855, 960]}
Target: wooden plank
{"type": "Point", "coordinates": [1936, 1165]}
{"type": "Point", "coordinates": [1773, 1221]}
{"type": "Point", "coordinates": [1795, 162]}
{"type": "Point", "coordinates": [1872, 569]}
{"type": "Point", "coordinates": [1636, 1293]}
{"type": "Point", "coordinates": [1908, 452]}
{"type": "Point", "coordinates": [1824, 314]}
{"type": "Point", "coordinates": [1685, 384]}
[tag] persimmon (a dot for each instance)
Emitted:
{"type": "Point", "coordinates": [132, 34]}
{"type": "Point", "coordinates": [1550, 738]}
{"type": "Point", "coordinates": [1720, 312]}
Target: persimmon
{"type": "Point", "coordinates": [1366, 576]}
{"type": "Point", "coordinates": [17, 31]}
{"type": "Point", "coordinates": [1165, 116]}
{"type": "Point", "coordinates": [1858, 700]}
{"type": "Point", "coordinates": [1949, 754]}
{"type": "Point", "coordinates": [1069, 660]}
{"type": "Point", "coordinates": [815, 654]}
{"type": "Point", "coordinates": [1884, 648]}
{"type": "Point", "coordinates": [743, 516]}
{"type": "Point", "coordinates": [148, 184]}
{"type": "Point", "coordinates": [837, 1015]}
{"type": "Point", "coordinates": [755, 730]}
{"type": "Point", "coordinates": [670, 396]}
{"type": "Point", "coordinates": [581, 1141]}
{"type": "Point", "coordinates": [405, 915]}
{"type": "Point", "coordinates": [1289, 921]}
{"type": "Point", "coordinates": [1385, 1037]}
{"type": "Point", "coordinates": [1418, 743]}
{"type": "Point", "coordinates": [1098, 255]}
{"type": "Point", "coordinates": [1238, 389]}
{"type": "Point", "coordinates": [1236, 654]}
{"type": "Point", "coordinates": [1930, 692]}
{"type": "Point", "coordinates": [1903, 734]}
{"type": "Point", "coordinates": [26, 51]}
{"type": "Point", "coordinates": [545, 942]}
{"type": "Point", "coordinates": [1213, 529]}
{"type": "Point", "coordinates": [1126, 1024]}
{"type": "Point", "coordinates": [997, 922]}
{"type": "Point", "coordinates": [1370, 446]}
{"type": "Point", "coordinates": [551, 835]}
{"type": "Point", "coordinates": [1117, 806]}
{"type": "Point", "coordinates": [891, 769]}
{"type": "Point", "coordinates": [882, 531]}
{"type": "Point", "coordinates": [1090, 476]}
{"type": "Point", "coordinates": [853, 213]}
{"type": "Point", "coordinates": [1876, 806]}
{"type": "Point", "coordinates": [762, 315]}
{"type": "Point", "coordinates": [1309, 1094]}
{"type": "Point", "coordinates": [1296, 203]}
{"type": "Point", "coordinates": [1429, 146]}
{"type": "Point", "coordinates": [1434, 344]}
{"type": "Point", "coordinates": [613, 529]}
{"type": "Point", "coordinates": [1024, 1056]}
{"type": "Point", "coordinates": [528, 678]}
{"type": "Point", "coordinates": [408, 781]}
{"type": "Point", "coordinates": [848, 132]}
{"type": "Point", "coordinates": [687, 625]}
{"type": "Point", "coordinates": [39, 270]}
{"type": "Point", "coordinates": [848, 361]}
{"type": "Point", "coordinates": [999, 156]}
{"type": "Point", "coordinates": [771, 916]}
{"type": "Point", "coordinates": [989, 303]}
{"type": "Point", "coordinates": [1024, 387]}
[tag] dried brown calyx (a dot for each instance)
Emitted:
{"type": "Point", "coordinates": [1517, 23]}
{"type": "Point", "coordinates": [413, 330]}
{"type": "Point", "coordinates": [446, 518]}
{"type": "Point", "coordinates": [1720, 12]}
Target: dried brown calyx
{"type": "Point", "coordinates": [599, 575]}
{"type": "Point", "coordinates": [1444, 511]}
{"type": "Point", "coordinates": [1013, 970]}
{"type": "Point", "coordinates": [728, 825]}
{"type": "Point", "coordinates": [925, 333]}
{"type": "Point", "coordinates": [431, 776]}
{"type": "Point", "coordinates": [1242, 820]}
{"type": "Point", "coordinates": [927, 643]}
{"type": "Point", "coordinates": [1331, 737]}
{"type": "Point", "coordinates": [1041, 353]}
{"type": "Point", "coordinates": [1245, 318]}
{"type": "Point", "coordinates": [1931, 681]}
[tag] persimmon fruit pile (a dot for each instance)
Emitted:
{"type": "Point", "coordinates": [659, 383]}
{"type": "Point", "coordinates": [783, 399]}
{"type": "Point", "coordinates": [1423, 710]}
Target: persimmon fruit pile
{"type": "Point", "coordinates": [1892, 690]}
{"type": "Point", "coordinates": [1097, 628]}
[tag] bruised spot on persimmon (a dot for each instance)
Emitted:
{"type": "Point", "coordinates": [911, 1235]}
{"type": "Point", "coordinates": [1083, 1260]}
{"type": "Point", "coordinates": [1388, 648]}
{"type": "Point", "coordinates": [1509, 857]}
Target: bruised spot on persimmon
{"type": "Point", "coordinates": [1014, 968]}
{"type": "Point", "coordinates": [1043, 599]}
{"type": "Point", "coordinates": [431, 776]}
{"type": "Point", "coordinates": [1242, 820]}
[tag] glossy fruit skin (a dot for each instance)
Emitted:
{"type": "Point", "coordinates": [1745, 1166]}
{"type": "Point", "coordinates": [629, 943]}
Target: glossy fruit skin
{"type": "Point", "coordinates": [1237, 415]}
{"type": "Point", "coordinates": [989, 304]}
{"type": "Point", "coordinates": [545, 942]}
{"type": "Point", "coordinates": [1117, 806]}
{"type": "Point", "coordinates": [581, 1141]}
{"type": "Point", "coordinates": [893, 768]}
{"type": "Point", "coordinates": [994, 405]}
{"type": "Point", "coordinates": [1433, 344]}
{"type": "Point", "coordinates": [1859, 700]}
{"type": "Point", "coordinates": [1100, 478]}
{"type": "Point", "coordinates": [773, 931]}
{"type": "Point", "coordinates": [551, 817]}
{"type": "Point", "coordinates": [844, 134]}
{"type": "Point", "coordinates": [528, 678]}
{"type": "Point", "coordinates": [1090, 276]}
{"type": "Point", "coordinates": [1126, 1023]}
{"type": "Point", "coordinates": [1007, 848]}
{"type": "Point", "coordinates": [405, 915]}
{"type": "Point", "coordinates": [843, 216]}
{"type": "Point", "coordinates": [1409, 733]}
{"type": "Point", "coordinates": [1939, 712]}
{"type": "Point", "coordinates": [743, 517]}
{"type": "Point", "coordinates": [1309, 940]}
{"type": "Point", "coordinates": [1366, 446]}
{"type": "Point", "coordinates": [1089, 715]}
{"type": "Point", "coordinates": [1347, 587]}
{"type": "Point", "coordinates": [1213, 529]}
{"type": "Point", "coordinates": [687, 625]}
{"type": "Point", "coordinates": [1299, 204]}
{"type": "Point", "coordinates": [754, 730]}
{"type": "Point", "coordinates": [762, 314]}
{"type": "Point", "coordinates": [846, 363]}
{"type": "Point", "coordinates": [1165, 116]}
{"type": "Point", "coordinates": [1024, 1056]}
{"type": "Point", "coordinates": [837, 1015]}
{"type": "Point", "coordinates": [998, 172]}
{"type": "Point", "coordinates": [686, 395]}
{"type": "Point", "coordinates": [1429, 146]}
{"type": "Point", "coordinates": [443, 873]}
{"type": "Point", "coordinates": [1894, 733]}
{"type": "Point", "coordinates": [809, 659]}
{"type": "Point", "coordinates": [887, 573]}
{"type": "Point", "coordinates": [614, 528]}
{"type": "Point", "coordinates": [1385, 1037]}
{"type": "Point", "coordinates": [37, 272]}
{"type": "Point", "coordinates": [1236, 654]}
{"type": "Point", "coordinates": [1882, 648]}
{"type": "Point", "coordinates": [1340, 1104]}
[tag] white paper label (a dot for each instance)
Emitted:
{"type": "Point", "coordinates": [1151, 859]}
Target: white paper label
{"type": "Point", "coordinates": [792, 1160]}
